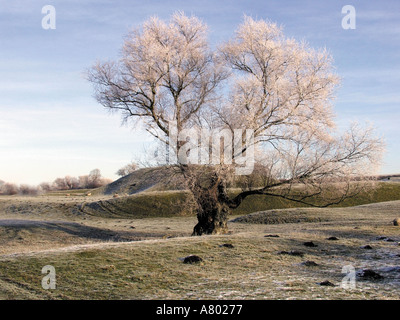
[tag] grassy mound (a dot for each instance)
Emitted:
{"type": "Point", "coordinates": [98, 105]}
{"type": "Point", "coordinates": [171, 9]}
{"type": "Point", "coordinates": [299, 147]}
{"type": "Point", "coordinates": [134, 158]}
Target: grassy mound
{"type": "Point", "coordinates": [297, 215]}
{"type": "Point", "coordinates": [158, 192]}
{"type": "Point", "coordinates": [175, 203]}
{"type": "Point", "coordinates": [143, 205]}
{"type": "Point", "coordinates": [146, 179]}
{"type": "Point", "coordinates": [382, 193]}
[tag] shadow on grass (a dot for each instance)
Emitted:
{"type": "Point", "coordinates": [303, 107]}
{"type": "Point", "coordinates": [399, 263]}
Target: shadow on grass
{"type": "Point", "coordinates": [77, 230]}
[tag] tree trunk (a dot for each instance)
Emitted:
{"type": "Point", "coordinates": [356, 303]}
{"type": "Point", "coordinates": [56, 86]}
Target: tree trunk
{"type": "Point", "coordinates": [208, 188]}
{"type": "Point", "coordinates": [212, 215]}
{"type": "Point", "coordinates": [212, 207]}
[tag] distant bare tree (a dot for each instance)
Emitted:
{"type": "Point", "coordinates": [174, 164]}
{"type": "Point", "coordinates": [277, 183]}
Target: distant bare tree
{"type": "Point", "coordinates": [45, 187]}
{"type": "Point", "coordinates": [60, 184]}
{"type": "Point", "coordinates": [83, 181]}
{"type": "Point", "coordinates": [71, 182]}
{"type": "Point", "coordinates": [94, 179]}
{"type": "Point", "coordinates": [129, 168]}
{"type": "Point", "coordinates": [27, 190]}
{"type": "Point", "coordinates": [10, 189]}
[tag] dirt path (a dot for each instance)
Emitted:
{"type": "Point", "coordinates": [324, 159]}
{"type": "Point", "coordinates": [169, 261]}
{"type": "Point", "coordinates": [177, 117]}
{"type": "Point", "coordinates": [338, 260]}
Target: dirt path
{"type": "Point", "coordinates": [89, 246]}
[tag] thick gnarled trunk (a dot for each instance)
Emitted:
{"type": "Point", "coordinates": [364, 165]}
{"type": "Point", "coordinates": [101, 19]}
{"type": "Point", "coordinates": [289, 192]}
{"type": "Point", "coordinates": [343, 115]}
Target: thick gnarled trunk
{"type": "Point", "coordinates": [209, 192]}
{"type": "Point", "coordinates": [212, 216]}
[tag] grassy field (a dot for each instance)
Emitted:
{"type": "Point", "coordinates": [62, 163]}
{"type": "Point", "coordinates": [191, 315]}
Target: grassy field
{"type": "Point", "coordinates": [252, 269]}
{"type": "Point", "coordinates": [103, 254]}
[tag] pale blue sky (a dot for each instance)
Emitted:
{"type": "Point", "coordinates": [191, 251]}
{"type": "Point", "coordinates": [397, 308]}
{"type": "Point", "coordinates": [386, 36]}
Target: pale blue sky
{"type": "Point", "coordinates": [50, 125]}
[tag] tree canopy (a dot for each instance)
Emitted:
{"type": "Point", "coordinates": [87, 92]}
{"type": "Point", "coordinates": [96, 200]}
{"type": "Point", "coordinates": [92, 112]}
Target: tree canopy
{"type": "Point", "coordinates": [259, 81]}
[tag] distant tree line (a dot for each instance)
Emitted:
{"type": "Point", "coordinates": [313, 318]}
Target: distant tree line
{"type": "Point", "coordinates": [93, 180]}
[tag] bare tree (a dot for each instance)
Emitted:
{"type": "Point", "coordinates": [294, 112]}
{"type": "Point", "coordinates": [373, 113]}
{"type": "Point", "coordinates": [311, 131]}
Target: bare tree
{"type": "Point", "coordinates": [28, 190]}
{"type": "Point", "coordinates": [10, 189]}
{"type": "Point", "coordinates": [83, 181]}
{"type": "Point", "coordinates": [127, 169]}
{"type": "Point", "coordinates": [45, 187]}
{"type": "Point", "coordinates": [278, 89]}
{"type": "Point", "coordinates": [60, 184]}
{"type": "Point", "coordinates": [94, 179]}
{"type": "Point", "coordinates": [71, 182]}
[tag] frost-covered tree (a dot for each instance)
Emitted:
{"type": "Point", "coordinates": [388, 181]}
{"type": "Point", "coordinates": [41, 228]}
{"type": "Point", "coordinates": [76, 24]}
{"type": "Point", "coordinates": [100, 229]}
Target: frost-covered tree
{"type": "Point", "coordinates": [127, 169]}
{"type": "Point", "coordinates": [278, 89]}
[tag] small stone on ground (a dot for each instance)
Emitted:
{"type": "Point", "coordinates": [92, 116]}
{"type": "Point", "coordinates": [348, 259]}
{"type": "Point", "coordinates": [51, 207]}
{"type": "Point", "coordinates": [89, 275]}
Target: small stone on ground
{"type": "Point", "coordinates": [192, 259]}
{"type": "Point", "coordinates": [368, 247]}
{"type": "Point", "coordinates": [368, 274]}
{"type": "Point", "coordinates": [292, 253]}
{"type": "Point", "coordinates": [326, 283]}
{"type": "Point", "coordinates": [227, 245]}
{"type": "Point", "coordinates": [310, 263]}
{"type": "Point", "coordinates": [310, 244]}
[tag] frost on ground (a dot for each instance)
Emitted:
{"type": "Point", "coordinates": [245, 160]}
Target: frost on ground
{"type": "Point", "coordinates": [95, 258]}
